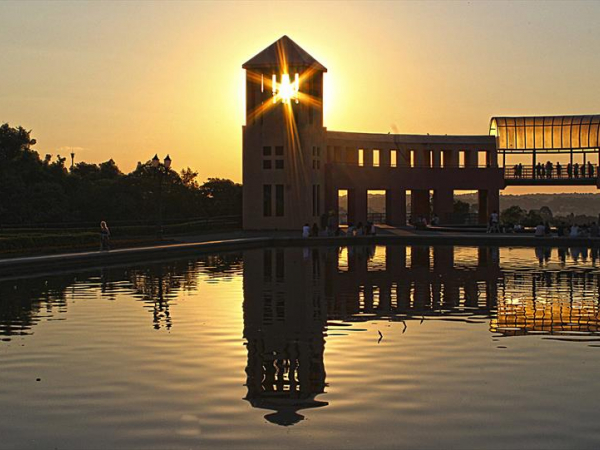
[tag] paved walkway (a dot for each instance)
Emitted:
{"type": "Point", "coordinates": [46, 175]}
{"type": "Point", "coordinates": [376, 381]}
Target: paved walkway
{"type": "Point", "coordinates": [240, 240]}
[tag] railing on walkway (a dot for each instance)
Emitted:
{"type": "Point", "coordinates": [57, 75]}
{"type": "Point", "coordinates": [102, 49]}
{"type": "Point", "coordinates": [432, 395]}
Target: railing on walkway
{"type": "Point", "coordinates": [191, 223]}
{"type": "Point", "coordinates": [552, 172]}
{"type": "Point", "coordinates": [376, 217]}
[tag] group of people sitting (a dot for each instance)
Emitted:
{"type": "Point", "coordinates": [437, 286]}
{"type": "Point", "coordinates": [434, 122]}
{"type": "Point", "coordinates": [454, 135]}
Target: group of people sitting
{"type": "Point", "coordinates": [549, 170]}
{"type": "Point", "coordinates": [353, 230]}
{"type": "Point", "coordinates": [562, 230]}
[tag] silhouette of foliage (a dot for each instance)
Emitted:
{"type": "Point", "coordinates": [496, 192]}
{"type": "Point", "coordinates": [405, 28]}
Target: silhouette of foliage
{"type": "Point", "coordinates": [35, 190]}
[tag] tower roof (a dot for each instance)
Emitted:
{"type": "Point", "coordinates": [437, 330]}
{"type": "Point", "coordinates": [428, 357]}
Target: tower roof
{"type": "Point", "coordinates": [273, 55]}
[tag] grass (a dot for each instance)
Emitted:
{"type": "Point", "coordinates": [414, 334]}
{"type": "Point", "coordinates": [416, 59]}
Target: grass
{"type": "Point", "coordinates": [29, 241]}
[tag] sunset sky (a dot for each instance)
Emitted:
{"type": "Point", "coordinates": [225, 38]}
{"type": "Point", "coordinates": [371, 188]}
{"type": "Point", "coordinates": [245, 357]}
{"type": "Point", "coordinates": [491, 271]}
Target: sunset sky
{"type": "Point", "coordinates": [126, 80]}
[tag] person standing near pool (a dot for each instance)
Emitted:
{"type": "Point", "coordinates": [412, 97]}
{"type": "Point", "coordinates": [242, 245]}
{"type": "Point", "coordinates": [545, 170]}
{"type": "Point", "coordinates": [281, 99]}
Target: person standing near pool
{"type": "Point", "coordinates": [104, 236]}
{"type": "Point", "coordinates": [306, 230]}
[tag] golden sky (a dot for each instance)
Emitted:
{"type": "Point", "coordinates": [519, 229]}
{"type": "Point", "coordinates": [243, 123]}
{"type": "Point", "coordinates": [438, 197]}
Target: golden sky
{"type": "Point", "coordinates": [126, 80]}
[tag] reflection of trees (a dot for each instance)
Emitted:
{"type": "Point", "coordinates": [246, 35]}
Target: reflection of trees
{"type": "Point", "coordinates": [23, 302]}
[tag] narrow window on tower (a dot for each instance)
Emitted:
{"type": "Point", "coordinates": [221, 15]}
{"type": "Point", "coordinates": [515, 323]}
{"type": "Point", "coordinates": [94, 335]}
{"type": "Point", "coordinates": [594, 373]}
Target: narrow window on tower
{"type": "Point", "coordinates": [318, 200]}
{"type": "Point", "coordinates": [375, 158]}
{"type": "Point", "coordinates": [361, 157]}
{"type": "Point", "coordinates": [267, 200]}
{"type": "Point", "coordinates": [393, 157]}
{"type": "Point", "coordinates": [279, 210]}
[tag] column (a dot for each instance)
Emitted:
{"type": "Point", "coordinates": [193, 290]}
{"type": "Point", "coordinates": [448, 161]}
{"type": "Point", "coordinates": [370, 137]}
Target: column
{"type": "Point", "coordinates": [395, 207]}
{"type": "Point", "coordinates": [491, 158]}
{"type": "Point", "coordinates": [403, 157]}
{"type": "Point", "coordinates": [419, 204]}
{"type": "Point", "coordinates": [422, 157]}
{"type": "Point", "coordinates": [443, 204]}
{"type": "Point", "coordinates": [443, 259]}
{"type": "Point", "coordinates": [450, 158]}
{"type": "Point", "coordinates": [331, 197]}
{"type": "Point", "coordinates": [437, 158]}
{"type": "Point", "coordinates": [395, 259]}
{"type": "Point", "coordinates": [493, 201]}
{"type": "Point", "coordinates": [471, 158]}
{"type": "Point", "coordinates": [368, 157]}
{"type": "Point", "coordinates": [357, 206]}
{"type": "Point", "coordinates": [384, 157]}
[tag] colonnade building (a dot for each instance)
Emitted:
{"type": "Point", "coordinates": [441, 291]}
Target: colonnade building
{"type": "Point", "coordinates": [294, 169]}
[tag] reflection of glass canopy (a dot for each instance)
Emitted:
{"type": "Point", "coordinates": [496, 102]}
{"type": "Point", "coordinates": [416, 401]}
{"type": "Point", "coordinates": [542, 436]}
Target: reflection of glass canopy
{"type": "Point", "coordinates": [557, 133]}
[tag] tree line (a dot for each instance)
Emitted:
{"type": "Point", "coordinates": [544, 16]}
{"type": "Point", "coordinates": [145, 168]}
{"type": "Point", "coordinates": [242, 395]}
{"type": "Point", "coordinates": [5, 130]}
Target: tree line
{"type": "Point", "coordinates": [36, 190]}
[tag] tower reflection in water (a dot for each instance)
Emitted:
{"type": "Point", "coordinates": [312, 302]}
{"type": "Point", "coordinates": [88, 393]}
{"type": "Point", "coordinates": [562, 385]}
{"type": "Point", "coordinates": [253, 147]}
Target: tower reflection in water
{"type": "Point", "coordinates": [290, 294]}
{"type": "Point", "coordinates": [284, 321]}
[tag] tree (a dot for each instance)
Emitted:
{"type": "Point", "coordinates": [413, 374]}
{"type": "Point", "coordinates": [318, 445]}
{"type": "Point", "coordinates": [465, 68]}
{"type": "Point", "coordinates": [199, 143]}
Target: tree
{"type": "Point", "coordinates": [35, 190]}
{"type": "Point", "coordinates": [460, 207]}
{"type": "Point", "coordinates": [513, 215]}
{"type": "Point", "coordinates": [224, 197]}
{"type": "Point", "coordinates": [546, 213]}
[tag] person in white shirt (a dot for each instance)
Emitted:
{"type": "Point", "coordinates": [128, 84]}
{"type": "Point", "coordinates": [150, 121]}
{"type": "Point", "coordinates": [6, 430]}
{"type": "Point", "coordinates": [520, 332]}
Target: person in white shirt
{"type": "Point", "coordinates": [574, 231]}
{"type": "Point", "coordinates": [540, 230]}
{"type": "Point", "coordinates": [306, 230]}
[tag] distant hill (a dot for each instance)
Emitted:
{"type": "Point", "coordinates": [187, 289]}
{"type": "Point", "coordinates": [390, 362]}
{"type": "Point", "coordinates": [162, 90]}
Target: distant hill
{"type": "Point", "coordinates": [559, 204]}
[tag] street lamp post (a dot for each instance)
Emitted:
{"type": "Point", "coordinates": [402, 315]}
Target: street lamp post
{"type": "Point", "coordinates": [161, 171]}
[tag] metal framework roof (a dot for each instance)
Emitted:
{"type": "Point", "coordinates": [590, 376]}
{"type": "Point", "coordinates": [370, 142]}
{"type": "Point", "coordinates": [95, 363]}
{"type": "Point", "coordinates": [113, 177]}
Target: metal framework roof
{"type": "Point", "coordinates": [549, 133]}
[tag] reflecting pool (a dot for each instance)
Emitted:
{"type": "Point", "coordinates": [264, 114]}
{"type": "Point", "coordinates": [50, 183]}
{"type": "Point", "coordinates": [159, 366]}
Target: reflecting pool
{"type": "Point", "coordinates": [352, 347]}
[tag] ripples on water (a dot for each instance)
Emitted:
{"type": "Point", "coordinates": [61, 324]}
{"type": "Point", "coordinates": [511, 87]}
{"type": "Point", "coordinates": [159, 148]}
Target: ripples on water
{"type": "Point", "coordinates": [350, 347]}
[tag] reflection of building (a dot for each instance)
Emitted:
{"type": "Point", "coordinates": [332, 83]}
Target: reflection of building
{"type": "Point", "coordinates": [284, 322]}
{"type": "Point", "coordinates": [416, 280]}
{"type": "Point", "coordinates": [551, 301]}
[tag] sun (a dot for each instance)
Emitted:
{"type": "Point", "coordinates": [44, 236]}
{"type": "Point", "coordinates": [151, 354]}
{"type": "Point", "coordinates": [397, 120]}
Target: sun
{"type": "Point", "coordinates": [285, 91]}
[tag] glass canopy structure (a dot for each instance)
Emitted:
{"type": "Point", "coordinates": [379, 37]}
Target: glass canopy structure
{"type": "Point", "coordinates": [550, 134]}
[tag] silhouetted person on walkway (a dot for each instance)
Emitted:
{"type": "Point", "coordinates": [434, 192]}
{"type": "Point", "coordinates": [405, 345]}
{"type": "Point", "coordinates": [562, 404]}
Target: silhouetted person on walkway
{"type": "Point", "coordinates": [558, 170]}
{"type": "Point", "coordinates": [306, 230]}
{"type": "Point", "coordinates": [104, 236]}
{"type": "Point", "coordinates": [494, 223]}
{"type": "Point", "coordinates": [570, 170]}
{"type": "Point", "coordinates": [590, 170]}
{"type": "Point", "coordinates": [315, 230]}
{"type": "Point", "coordinates": [359, 229]}
{"type": "Point", "coordinates": [576, 170]}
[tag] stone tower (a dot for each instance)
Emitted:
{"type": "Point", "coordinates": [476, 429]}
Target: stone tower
{"type": "Point", "coordinates": [284, 142]}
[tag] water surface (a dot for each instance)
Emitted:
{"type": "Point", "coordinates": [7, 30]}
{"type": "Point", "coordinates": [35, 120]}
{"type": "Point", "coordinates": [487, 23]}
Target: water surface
{"type": "Point", "coordinates": [360, 347]}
